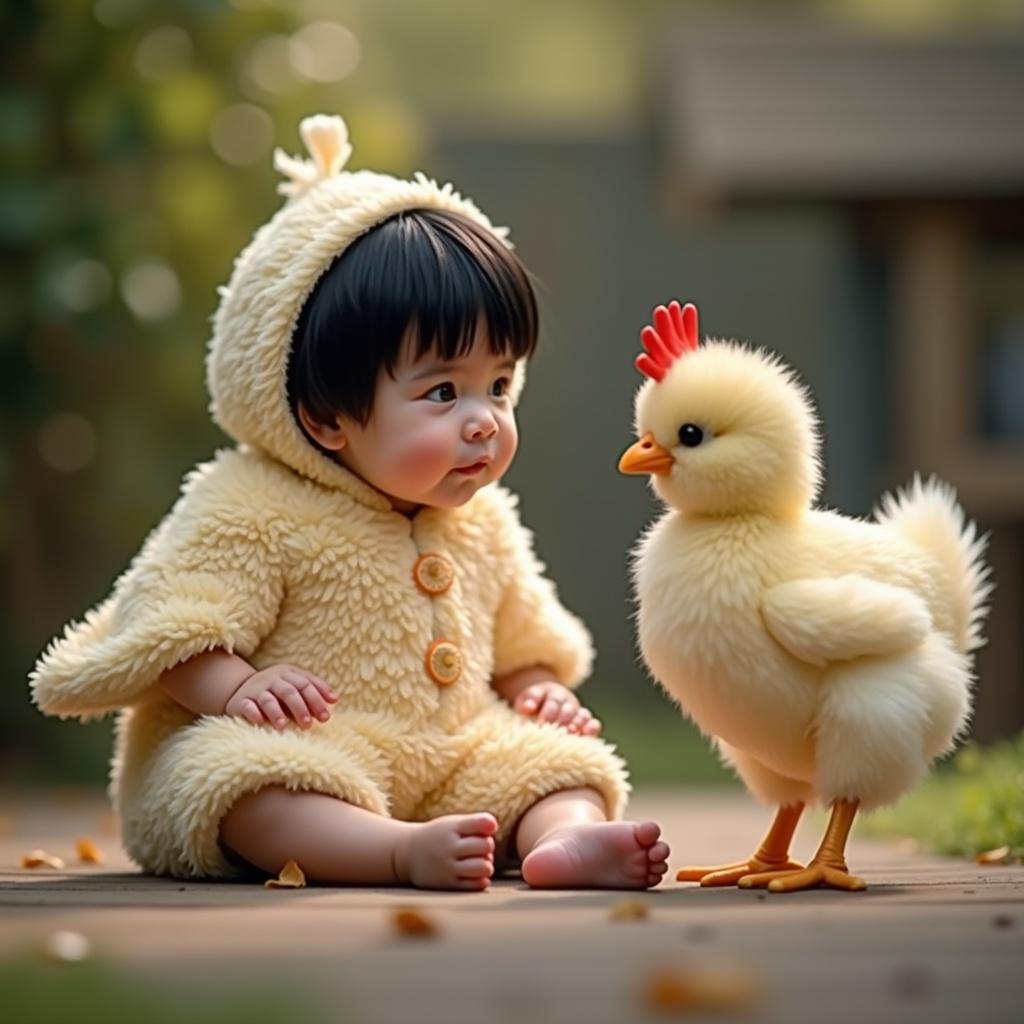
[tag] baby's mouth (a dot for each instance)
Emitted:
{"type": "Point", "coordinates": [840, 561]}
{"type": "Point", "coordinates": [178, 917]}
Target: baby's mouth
{"type": "Point", "coordinates": [473, 468]}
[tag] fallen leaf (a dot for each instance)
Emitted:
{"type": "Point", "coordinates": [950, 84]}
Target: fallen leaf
{"type": "Point", "coordinates": [40, 859]}
{"type": "Point", "coordinates": [410, 921]}
{"type": "Point", "coordinates": [1000, 855]}
{"type": "Point", "coordinates": [629, 910]}
{"type": "Point", "coordinates": [89, 852]}
{"type": "Point", "coordinates": [67, 947]}
{"type": "Point", "coordinates": [701, 987]}
{"type": "Point", "coordinates": [291, 877]}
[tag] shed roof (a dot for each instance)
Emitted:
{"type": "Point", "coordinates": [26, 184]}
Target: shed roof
{"type": "Point", "coordinates": [819, 113]}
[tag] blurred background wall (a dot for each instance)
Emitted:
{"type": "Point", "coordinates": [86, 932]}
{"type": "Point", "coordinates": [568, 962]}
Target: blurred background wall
{"type": "Point", "coordinates": [842, 181]}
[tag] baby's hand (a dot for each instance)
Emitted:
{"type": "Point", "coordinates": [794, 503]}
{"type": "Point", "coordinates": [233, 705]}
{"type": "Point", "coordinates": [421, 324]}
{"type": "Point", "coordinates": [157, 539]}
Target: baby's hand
{"type": "Point", "coordinates": [553, 702]}
{"type": "Point", "coordinates": [275, 693]}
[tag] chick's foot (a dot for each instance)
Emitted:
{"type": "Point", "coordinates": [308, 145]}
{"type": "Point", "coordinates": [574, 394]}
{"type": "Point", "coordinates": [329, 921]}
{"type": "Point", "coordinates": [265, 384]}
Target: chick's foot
{"type": "Point", "coordinates": [816, 874]}
{"type": "Point", "coordinates": [731, 874]}
{"type": "Point", "coordinates": [772, 855]}
{"type": "Point", "coordinates": [827, 866]}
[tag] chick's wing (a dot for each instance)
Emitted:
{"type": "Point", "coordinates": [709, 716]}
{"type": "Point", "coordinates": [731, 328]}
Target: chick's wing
{"type": "Point", "coordinates": [823, 620]}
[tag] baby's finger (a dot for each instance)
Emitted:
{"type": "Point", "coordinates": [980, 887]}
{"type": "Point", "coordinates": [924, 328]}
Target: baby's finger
{"type": "Point", "coordinates": [593, 727]}
{"type": "Point", "coordinates": [270, 707]}
{"type": "Point", "coordinates": [315, 701]}
{"type": "Point", "coordinates": [579, 720]}
{"type": "Point", "coordinates": [568, 713]}
{"type": "Point", "coordinates": [324, 688]}
{"type": "Point", "coordinates": [251, 712]}
{"type": "Point", "coordinates": [300, 678]}
{"type": "Point", "coordinates": [295, 704]}
{"type": "Point", "coordinates": [529, 700]}
{"type": "Point", "coordinates": [550, 710]}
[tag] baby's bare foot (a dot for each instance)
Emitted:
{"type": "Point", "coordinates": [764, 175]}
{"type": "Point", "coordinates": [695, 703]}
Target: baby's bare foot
{"type": "Point", "coordinates": [453, 852]}
{"type": "Point", "coordinates": [598, 855]}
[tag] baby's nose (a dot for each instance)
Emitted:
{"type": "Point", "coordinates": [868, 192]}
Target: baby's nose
{"type": "Point", "coordinates": [481, 429]}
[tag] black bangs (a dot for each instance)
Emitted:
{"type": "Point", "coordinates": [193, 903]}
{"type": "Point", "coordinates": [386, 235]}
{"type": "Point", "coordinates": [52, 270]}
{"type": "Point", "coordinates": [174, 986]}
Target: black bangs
{"type": "Point", "coordinates": [431, 276]}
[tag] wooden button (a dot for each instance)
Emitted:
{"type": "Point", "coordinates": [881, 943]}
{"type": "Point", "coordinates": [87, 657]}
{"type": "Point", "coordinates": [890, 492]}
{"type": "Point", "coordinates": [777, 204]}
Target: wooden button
{"type": "Point", "coordinates": [444, 662]}
{"type": "Point", "coordinates": [433, 574]}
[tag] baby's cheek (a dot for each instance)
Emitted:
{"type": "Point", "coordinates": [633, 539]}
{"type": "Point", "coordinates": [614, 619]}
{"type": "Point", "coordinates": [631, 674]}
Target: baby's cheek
{"type": "Point", "coordinates": [423, 459]}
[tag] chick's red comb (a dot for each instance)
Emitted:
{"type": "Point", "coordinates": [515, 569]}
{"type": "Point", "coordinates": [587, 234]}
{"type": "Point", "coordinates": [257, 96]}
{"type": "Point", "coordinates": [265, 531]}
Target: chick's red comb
{"type": "Point", "coordinates": [673, 335]}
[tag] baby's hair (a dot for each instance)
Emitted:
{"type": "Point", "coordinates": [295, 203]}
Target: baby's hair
{"type": "Point", "coordinates": [434, 273]}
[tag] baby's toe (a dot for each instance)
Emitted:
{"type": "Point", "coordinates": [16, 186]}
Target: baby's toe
{"type": "Point", "coordinates": [472, 884]}
{"type": "Point", "coordinates": [474, 846]}
{"type": "Point", "coordinates": [474, 867]}
{"type": "Point", "coordinates": [658, 852]}
{"type": "Point", "coordinates": [647, 833]}
{"type": "Point", "coordinates": [483, 824]}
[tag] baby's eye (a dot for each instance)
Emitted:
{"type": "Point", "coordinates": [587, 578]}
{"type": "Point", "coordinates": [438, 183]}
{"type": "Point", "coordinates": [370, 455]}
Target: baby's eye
{"type": "Point", "coordinates": [442, 393]}
{"type": "Point", "coordinates": [500, 387]}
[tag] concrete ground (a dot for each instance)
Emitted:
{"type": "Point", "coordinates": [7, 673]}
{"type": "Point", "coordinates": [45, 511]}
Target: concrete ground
{"type": "Point", "coordinates": [931, 940]}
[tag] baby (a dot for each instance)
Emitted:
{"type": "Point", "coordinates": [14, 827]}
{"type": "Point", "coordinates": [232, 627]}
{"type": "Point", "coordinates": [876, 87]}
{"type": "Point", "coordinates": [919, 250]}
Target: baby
{"type": "Point", "coordinates": [338, 648]}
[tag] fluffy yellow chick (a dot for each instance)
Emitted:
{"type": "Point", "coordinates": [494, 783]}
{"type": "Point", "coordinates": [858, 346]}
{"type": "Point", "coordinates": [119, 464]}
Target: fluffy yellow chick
{"type": "Point", "coordinates": [827, 657]}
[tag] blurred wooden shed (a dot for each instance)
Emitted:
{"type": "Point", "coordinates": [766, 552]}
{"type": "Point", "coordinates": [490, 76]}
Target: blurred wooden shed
{"type": "Point", "coordinates": [919, 143]}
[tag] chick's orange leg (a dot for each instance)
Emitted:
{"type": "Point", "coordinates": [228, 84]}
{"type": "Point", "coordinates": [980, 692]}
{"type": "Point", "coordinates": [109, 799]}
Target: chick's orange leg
{"type": "Point", "coordinates": [772, 855]}
{"type": "Point", "coordinates": [827, 866]}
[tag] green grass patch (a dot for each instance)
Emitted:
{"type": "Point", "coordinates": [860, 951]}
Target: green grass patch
{"type": "Point", "coordinates": [973, 803]}
{"type": "Point", "coordinates": [660, 746]}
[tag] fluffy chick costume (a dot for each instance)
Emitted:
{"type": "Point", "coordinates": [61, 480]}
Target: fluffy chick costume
{"type": "Point", "coordinates": [279, 554]}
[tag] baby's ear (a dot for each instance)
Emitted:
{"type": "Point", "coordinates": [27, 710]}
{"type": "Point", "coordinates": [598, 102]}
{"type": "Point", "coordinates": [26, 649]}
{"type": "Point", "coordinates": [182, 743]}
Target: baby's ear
{"type": "Point", "coordinates": [327, 435]}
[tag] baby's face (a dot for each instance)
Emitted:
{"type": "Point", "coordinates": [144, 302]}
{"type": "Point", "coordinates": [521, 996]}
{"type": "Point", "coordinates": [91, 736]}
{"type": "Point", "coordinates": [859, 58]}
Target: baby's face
{"type": "Point", "coordinates": [439, 431]}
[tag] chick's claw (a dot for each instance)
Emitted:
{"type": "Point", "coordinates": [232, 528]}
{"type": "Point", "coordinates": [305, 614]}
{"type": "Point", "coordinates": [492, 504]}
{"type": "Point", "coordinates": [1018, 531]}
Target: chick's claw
{"type": "Point", "coordinates": [731, 874]}
{"type": "Point", "coordinates": [815, 875]}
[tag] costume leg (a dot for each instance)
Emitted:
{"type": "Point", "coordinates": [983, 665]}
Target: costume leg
{"type": "Point", "coordinates": [512, 762]}
{"type": "Point", "coordinates": [173, 804]}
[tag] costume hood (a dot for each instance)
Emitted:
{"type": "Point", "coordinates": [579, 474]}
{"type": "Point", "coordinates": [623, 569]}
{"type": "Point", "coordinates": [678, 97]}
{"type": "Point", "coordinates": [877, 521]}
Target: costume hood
{"type": "Point", "coordinates": [327, 209]}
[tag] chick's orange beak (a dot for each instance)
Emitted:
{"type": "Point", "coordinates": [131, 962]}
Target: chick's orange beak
{"type": "Point", "coordinates": [646, 456]}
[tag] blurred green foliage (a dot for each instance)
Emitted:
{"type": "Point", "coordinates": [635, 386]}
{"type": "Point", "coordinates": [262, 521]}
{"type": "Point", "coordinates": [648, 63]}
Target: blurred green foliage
{"type": "Point", "coordinates": [973, 804]}
{"type": "Point", "coordinates": [137, 140]}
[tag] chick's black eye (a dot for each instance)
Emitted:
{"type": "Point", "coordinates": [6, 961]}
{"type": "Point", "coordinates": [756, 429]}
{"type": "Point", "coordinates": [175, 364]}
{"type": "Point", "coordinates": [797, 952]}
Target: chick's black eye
{"type": "Point", "coordinates": [690, 435]}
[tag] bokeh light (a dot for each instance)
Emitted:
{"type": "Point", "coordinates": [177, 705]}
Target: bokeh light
{"type": "Point", "coordinates": [82, 285]}
{"type": "Point", "coordinates": [267, 66]}
{"type": "Point", "coordinates": [324, 51]}
{"type": "Point", "coordinates": [151, 290]}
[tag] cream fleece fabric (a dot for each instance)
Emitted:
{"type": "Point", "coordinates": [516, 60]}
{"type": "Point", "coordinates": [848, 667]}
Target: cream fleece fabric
{"type": "Point", "coordinates": [277, 553]}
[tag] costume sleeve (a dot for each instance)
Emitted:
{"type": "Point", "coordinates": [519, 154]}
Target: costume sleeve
{"type": "Point", "coordinates": [532, 626]}
{"type": "Point", "coordinates": [208, 576]}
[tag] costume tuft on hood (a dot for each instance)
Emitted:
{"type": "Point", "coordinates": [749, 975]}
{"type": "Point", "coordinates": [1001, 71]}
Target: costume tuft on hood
{"type": "Point", "coordinates": [327, 209]}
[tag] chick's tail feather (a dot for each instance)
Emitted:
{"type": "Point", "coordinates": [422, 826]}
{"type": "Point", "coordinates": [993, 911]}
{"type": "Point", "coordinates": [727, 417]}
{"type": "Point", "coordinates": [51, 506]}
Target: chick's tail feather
{"type": "Point", "coordinates": [927, 514]}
